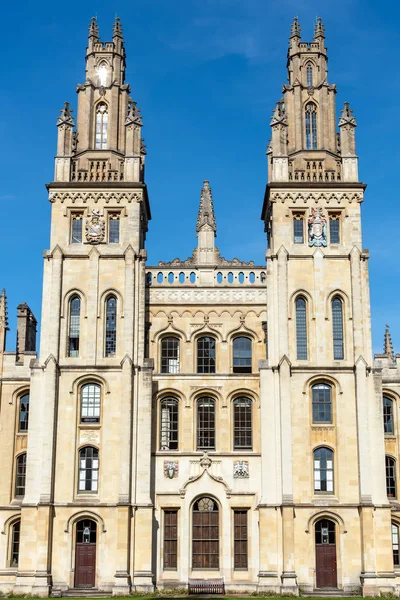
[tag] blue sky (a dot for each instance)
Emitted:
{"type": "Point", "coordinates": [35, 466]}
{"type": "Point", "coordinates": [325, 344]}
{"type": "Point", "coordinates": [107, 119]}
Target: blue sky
{"type": "Point", "coordinates": [206, 74]}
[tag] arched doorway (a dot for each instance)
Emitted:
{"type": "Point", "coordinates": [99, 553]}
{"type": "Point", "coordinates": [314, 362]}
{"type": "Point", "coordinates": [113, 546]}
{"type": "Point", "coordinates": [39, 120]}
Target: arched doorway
{"type": "Point", "coordinates": [205, 538]}
{"type": "Point", "coordinates": [85, 554]}
{"type": "Point", "coordinates": [325, 554]}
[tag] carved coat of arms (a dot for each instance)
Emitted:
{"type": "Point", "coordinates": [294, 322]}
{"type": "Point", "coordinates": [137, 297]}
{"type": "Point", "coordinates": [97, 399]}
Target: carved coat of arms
{"type": "Point", "coordinates": [317, 228]}
{"type": "Point", "coordinates": [95, 227]}
{"type": "Point", "coordinates": [241, 469]}
{"type": "Point", "coordinates": [171, 469]}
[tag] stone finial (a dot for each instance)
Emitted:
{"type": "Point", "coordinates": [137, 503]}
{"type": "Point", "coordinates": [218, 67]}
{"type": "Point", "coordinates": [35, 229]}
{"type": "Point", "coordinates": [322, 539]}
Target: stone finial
{"type": "Point", "coordinates": [319, 29]}
{"type": "Point", "coordinates": [387, 345]}
{"type": "Point", "coordinates": [65, 117]}
{"type": "Point", "coordinates": [3, 310]}
{"type": "Point", "coordinates": [133, 114]}
{"type": "Point", "coordinates": [117, 28]}
{"type": "Point", "coordinates": [94, 29]}
{"type": "Point", "coordinates": [279, 114]}
{"type": "Point", "coordinates": [295, 29]}
{"type": "Point", "coordinates": [206, 210]}
{"type": "Point", "coordinates": [346, 116]}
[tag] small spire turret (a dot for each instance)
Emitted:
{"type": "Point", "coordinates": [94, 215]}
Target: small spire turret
{"type": "Point", "coordinates": [117, 28]}
{"type": "Point", "coordinates": [347, 126]}
{"type": "Point", "coordinates": [319, 29]}
{"type": "Point", "coordinates": [3, 320]}
{"type": "Point", "coordinates": [93, 33]}
{"type": "Point", "coordinates": [295, 30]}
{"type": "Point", "coordinates": [387, 345]}
{"type": "Point", "coordinates": [206, 215]}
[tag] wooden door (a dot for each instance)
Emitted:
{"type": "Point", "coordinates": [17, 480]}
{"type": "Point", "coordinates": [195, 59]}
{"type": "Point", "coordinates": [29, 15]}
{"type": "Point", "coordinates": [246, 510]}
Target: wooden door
{"type": "Point", "coordinates": [325, 554]}
{"type": "Point", "coordinates": [326, 565]}
{"type": "Point", "coordinates": [85, 554]}
{"type": "Point", "coordinates": [85, 565]}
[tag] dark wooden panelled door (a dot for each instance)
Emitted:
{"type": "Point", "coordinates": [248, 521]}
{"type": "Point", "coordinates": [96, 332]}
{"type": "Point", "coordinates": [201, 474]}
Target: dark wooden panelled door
{"type": "Point", "coordinates": [205, 553]}
{"type": "Point", "coordinates": [85, 554]}
{"type": "Point", "coordinates": [325, 554]}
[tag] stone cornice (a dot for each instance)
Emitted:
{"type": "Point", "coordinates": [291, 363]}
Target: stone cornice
{"type": "Point", "coordinates": [334, 191]}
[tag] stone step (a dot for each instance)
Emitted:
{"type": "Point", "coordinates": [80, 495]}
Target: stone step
{"type": "Point", "coordinates": [91, 593]}
{"type": "Point", "coordinates": [326, 593]}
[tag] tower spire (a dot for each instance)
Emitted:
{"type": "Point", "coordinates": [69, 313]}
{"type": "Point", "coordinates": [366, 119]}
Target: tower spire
{"type": "Point", "coordinates": [387, 344]}
{"type": "Point", "coordinates": [206, 217]}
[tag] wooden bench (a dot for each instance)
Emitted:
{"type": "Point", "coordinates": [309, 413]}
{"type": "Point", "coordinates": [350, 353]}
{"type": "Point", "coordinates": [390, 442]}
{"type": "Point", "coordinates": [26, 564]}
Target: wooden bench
{"type": "Point", "coordinates": [206, 586]}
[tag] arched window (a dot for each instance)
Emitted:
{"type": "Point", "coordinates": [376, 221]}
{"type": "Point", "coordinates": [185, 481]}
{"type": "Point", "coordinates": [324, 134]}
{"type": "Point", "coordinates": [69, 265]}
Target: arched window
{"type": "Point", "coordinates": [337, 328]}
{"type": "Point", "coordinates": [242, 429]}
{"type": "Point", "coordinates": [206, 423]}
{"type": "Point", "coordinates": [170, 355]}
{"type": "Point", "coordinates": [301, 328]}
{"type": "Point", "coordinates": [111, 326]}
{"type": "Point", "coordinates": [86, 531]}
{"type": "Point", "coordinates": [74, 325]}
{"type": "Point", "coordinates": [15, 538]}
{"type": "Point", "coordinates": [321, 403]}
{"type": "Point", "coordinates": [395, 544]}
{"type": "Point", "coordinates": [88, 469]}
{"type": "Point", "coordinates": [388, 425]}
{"type": "Point", "coordinates": [311, 126]}
{"type": "Point", "coordinates": [242, 355]}
{"type": "Point", "coordinates": [205, 536]}
{"type": "Point", "coordinates": [309, 75]}
{"type": "Point", "coordinates": [390, 477]}
{"type": "Point", "coordinates": [323, 470]}
{"type": "Point", "coordinates": [20, 475]}
{"type": "Point", "coordinates": [169, 424]}
{"type": "Point", "coordinates": [90, 403]}
{"type": "Point", "coordinates": [206, 355]}
{"type": "Point", "coordinates": [101, 126]}
{"type": "Point", "coordinates": [23, 413]}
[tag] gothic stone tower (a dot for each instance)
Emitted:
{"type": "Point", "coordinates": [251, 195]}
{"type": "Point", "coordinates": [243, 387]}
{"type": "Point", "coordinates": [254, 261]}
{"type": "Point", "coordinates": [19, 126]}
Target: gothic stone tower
{"type": "Point", "coordinates": [91, 386]}
{"type": "Point", "coordinates": [323, 449]}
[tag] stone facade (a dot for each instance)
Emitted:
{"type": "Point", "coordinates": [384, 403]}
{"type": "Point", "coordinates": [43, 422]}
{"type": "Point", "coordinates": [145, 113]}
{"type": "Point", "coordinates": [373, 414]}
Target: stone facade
{"type": "Point", "coordinates": [204, 418]}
